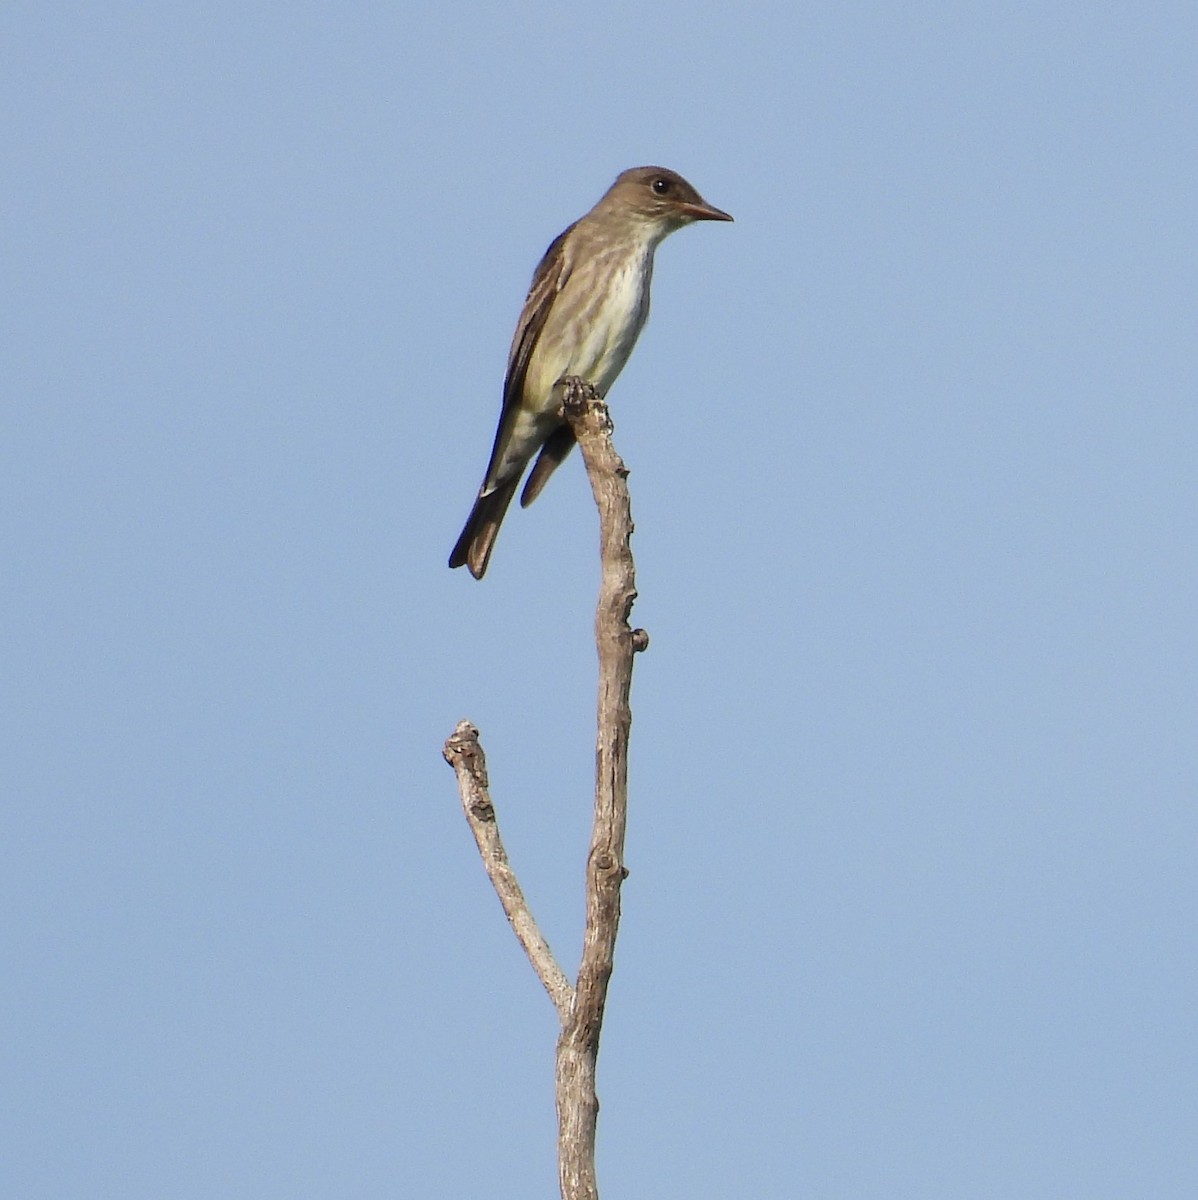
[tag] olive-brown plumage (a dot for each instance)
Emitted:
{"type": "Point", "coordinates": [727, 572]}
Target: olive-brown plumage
{"type": "Point", "coordinates": [587, 305]}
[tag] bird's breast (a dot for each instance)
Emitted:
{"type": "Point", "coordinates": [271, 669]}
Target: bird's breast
{"type": "Point", "coordinates": [596, 319]}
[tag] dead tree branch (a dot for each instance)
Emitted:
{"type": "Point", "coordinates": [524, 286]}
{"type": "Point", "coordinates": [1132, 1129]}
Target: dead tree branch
{"type": "Point", "coordinates": [464, 753]}
{"type": "Point", "coordinates": [580, 1008]}
{"type": "Point", "coordinates": [578, 1044]}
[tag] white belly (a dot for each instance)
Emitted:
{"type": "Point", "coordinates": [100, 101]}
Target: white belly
{"type": "Point", "coordinates": [602, 329]}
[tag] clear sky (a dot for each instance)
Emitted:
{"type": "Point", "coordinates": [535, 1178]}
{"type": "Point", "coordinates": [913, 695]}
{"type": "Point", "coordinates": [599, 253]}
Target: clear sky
{"type": "Point", "coordinates": [913, 835]}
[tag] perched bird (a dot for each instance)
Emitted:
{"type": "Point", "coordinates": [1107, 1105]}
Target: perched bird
{"type": "Point", "coordinates": [586, 307]}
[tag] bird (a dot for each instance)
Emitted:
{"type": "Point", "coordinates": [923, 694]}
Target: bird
{"type": "Point", "coordinates": [586, 307]}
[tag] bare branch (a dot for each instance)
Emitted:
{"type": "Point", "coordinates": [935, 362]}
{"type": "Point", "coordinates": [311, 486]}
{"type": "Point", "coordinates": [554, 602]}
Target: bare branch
{"type": "Point", "coordinates": [464, 753]}
{"type": "Point", "coordinates": [617, 643]}
{"type": "Point", "coordinates": [580, 1008]}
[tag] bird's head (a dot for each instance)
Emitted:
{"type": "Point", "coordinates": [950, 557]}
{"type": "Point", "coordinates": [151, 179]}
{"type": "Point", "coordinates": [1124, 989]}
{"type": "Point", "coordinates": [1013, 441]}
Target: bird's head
{"type": "Point", "coordinates": [660, 197]}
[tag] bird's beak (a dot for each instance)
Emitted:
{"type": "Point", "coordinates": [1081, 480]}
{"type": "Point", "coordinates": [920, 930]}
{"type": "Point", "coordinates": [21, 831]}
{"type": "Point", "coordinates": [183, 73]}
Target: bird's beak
{"type": "Point", "coordinates": [704, 212]}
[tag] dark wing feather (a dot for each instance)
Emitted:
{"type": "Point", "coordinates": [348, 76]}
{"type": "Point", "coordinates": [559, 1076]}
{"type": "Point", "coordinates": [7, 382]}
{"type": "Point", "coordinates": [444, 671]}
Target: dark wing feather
{"type": "Point", "coordinates": [548, 279]}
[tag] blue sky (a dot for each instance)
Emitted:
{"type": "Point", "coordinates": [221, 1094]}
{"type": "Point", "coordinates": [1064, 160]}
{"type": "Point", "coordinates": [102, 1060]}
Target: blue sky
{"type": "Point", "coordinates": [913, 832]}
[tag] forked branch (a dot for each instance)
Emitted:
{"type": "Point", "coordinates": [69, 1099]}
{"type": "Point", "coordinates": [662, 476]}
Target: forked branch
{"type": "Point", "coordinates": [580, 1008]}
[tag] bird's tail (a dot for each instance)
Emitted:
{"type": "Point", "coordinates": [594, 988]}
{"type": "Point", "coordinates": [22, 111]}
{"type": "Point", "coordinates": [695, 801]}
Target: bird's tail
{"type": "Point", "coordinates": [474, 547]}
{"type": "Point", "coordinates": [559, 443]}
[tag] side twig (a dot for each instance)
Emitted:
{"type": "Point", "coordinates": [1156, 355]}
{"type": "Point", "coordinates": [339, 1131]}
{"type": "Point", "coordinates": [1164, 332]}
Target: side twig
{"type": "Point", "coordinates": [464, 753]}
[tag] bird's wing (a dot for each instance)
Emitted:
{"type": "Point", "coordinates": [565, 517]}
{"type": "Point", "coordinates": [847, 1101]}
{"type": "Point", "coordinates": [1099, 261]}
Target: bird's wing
{"type": "Point", "coordinates": [548, 279]}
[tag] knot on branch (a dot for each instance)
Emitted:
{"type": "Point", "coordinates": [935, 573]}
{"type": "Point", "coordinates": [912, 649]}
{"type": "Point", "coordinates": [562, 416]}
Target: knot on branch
{"type": "Point", "coordinates": [608, 867]}
{"type": "Point", "coordinates": [483, 810]}
{"type": "Point", "coordinates": [463, 749]}
{"type": "Point", "coordinates": [640, 640]}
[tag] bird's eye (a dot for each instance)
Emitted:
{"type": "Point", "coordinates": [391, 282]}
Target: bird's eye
{"type": "Point", "coordinates": [662, 186]}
